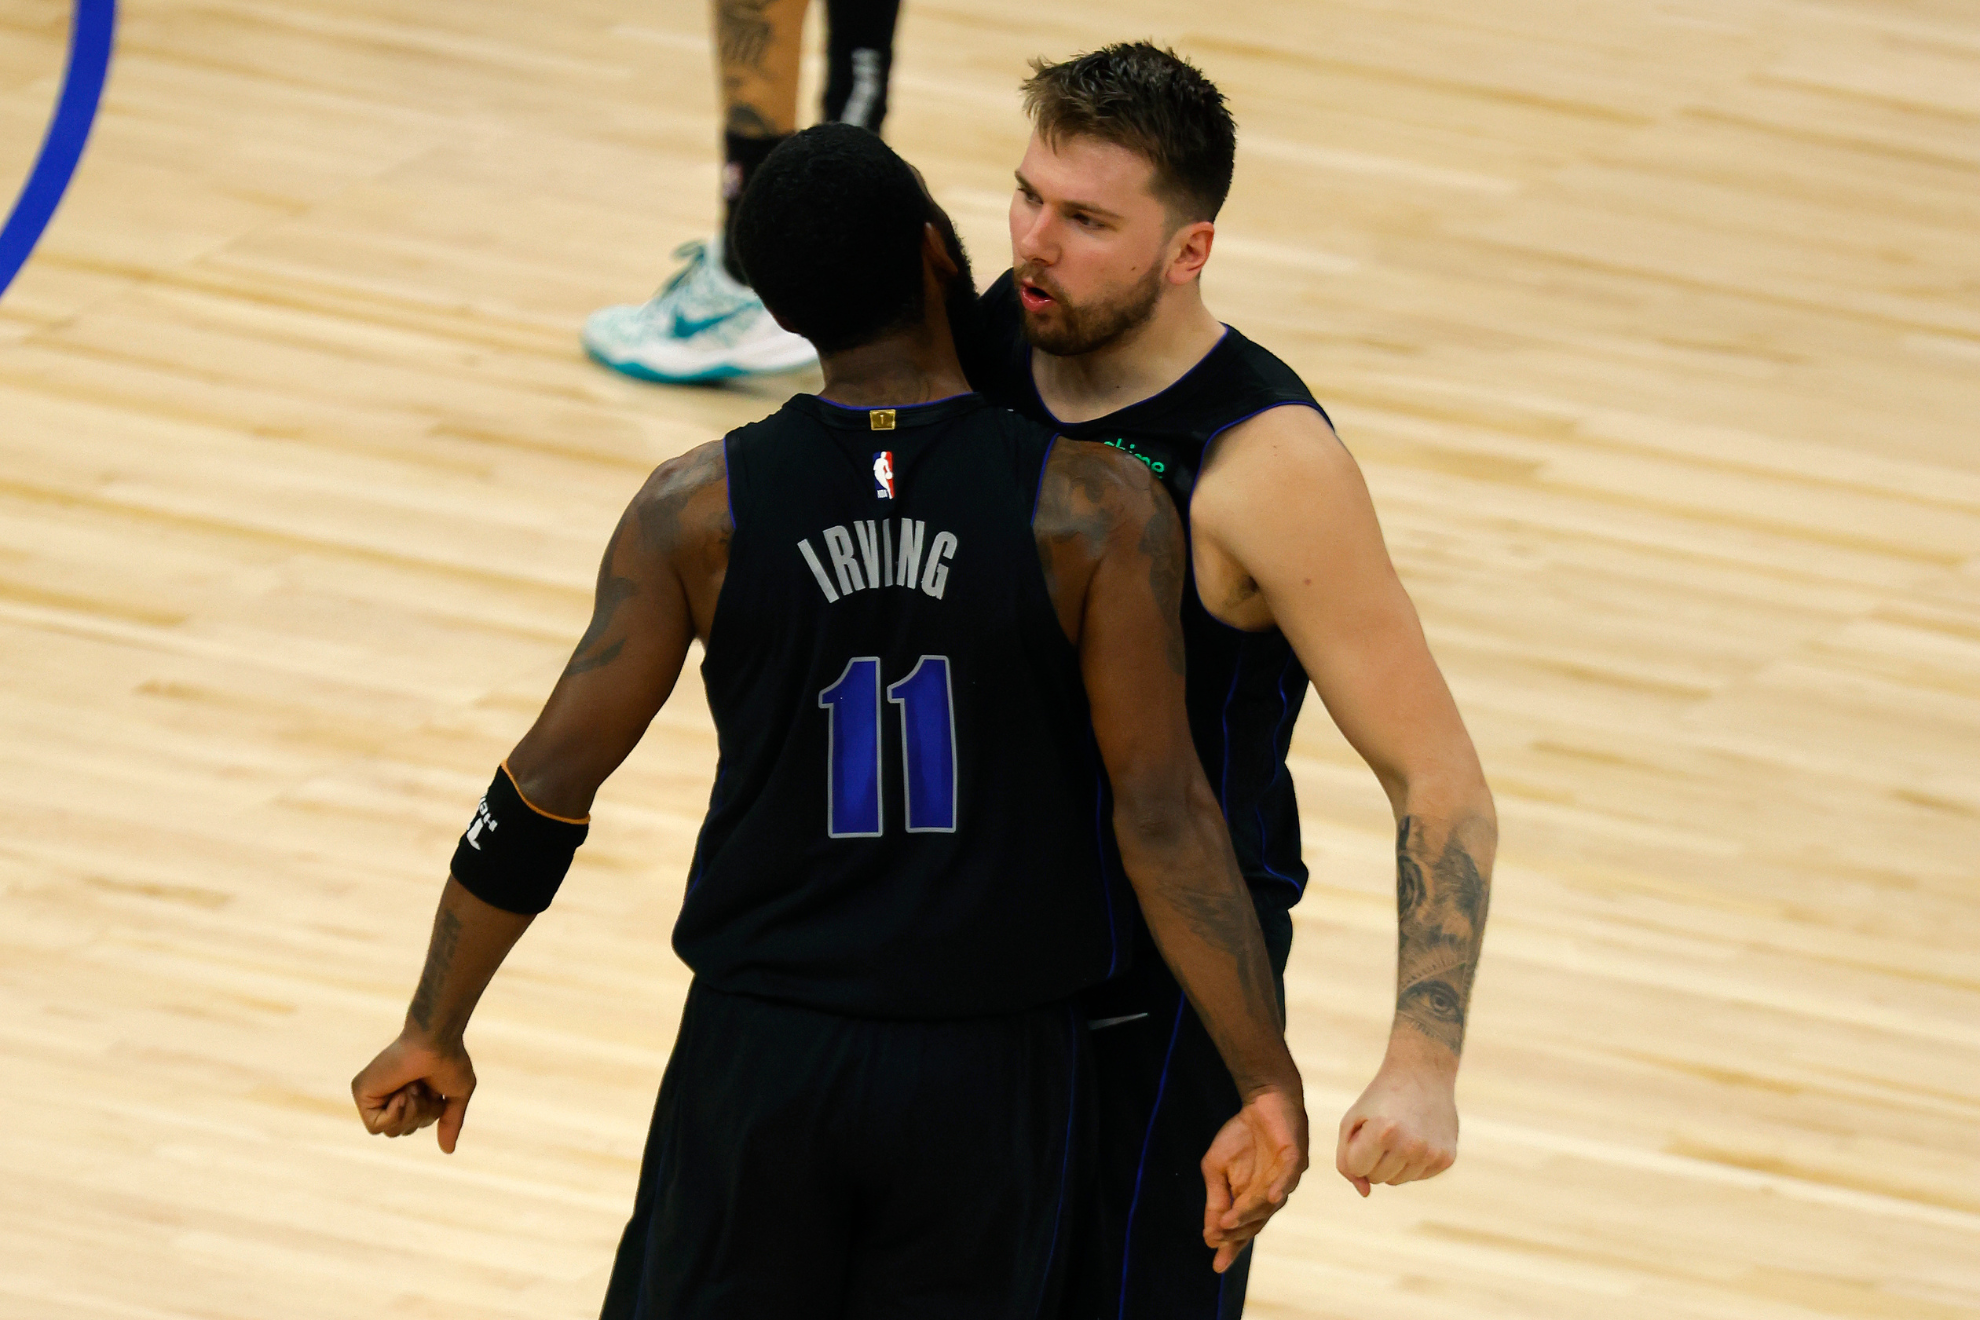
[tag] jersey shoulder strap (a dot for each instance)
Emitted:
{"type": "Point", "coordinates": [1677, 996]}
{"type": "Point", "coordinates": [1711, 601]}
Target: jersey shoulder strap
{"type": "Point", "coordinates": [1251, 376]}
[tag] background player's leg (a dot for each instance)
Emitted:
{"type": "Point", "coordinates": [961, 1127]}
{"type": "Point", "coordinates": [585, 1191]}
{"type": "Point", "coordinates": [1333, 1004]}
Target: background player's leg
{"type": "Point", "coordinates": [757, 45]}
{"type": "Point", "coordinates": [706, 323]}
{"type": "Point", "coordinates": [859, 60]}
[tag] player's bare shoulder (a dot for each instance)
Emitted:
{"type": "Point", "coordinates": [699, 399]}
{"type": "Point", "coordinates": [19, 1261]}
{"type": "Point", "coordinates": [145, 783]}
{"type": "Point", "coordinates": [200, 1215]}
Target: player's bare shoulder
{"type": "Point", "coordinates": [1271, 486]}
{"type": "Point", "coordinates": [683, 509]}
{"type": "Point", "coordinates": [1095, 501]}
{"type": "Point", "coordinates": [1087, 492]}
{"type": "Point", "coordinates": [1291, 440]}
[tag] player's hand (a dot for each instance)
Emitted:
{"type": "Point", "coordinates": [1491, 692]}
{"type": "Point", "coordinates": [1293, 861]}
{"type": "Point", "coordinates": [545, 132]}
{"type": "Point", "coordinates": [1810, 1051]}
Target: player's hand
{"type": "Point", "coordinates": [1403, 1128]}
{"type": "Point", "coordinates": [413, 1083]}
{"type": "Point", "coordinates": [1250, 1170]}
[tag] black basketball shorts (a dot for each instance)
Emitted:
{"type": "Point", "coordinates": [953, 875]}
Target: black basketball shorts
{"type": "Point", "coordinates": [804, 1165]}
{"type": "Point", "coordinates": [1163, 1092]}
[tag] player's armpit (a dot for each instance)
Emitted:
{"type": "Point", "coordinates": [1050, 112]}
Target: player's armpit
{"type": "Point", "coordinates": [657, 586]}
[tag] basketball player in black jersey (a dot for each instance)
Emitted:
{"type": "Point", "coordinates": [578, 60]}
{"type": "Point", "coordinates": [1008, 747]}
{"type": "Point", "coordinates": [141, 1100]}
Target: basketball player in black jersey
{"type": "Point", "coordinates": [1100, 331]}
{"type": "Point", "coordinates": [934, 637]}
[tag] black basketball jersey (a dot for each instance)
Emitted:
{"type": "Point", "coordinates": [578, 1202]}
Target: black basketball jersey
{"type": "Point", "coordinates": [1245, 688]}
{"type": "Point", "coordinates": [910, 818]}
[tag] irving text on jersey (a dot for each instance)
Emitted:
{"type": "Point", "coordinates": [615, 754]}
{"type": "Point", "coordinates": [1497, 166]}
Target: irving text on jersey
{"type": "Point", "coordinates": [882, 558]}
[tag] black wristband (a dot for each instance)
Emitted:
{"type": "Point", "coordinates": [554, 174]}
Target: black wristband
{"type": "Point", "coordinates": [512, 855]}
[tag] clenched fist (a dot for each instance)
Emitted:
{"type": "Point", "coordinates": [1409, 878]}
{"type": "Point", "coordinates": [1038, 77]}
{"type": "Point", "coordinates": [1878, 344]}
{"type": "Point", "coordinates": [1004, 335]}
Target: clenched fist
{"type": "Point", "coordinates": [1403, 1128]}
{"type": "Point", "coordinates": [413, 1083]}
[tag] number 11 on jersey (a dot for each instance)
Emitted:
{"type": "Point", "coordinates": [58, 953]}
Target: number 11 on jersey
{"type": "Point", "coordinates": [928, 748]}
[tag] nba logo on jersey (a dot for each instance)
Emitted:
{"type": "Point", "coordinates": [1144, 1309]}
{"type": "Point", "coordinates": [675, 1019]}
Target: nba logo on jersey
{"type": "Point", "coordinates": [883, 474]}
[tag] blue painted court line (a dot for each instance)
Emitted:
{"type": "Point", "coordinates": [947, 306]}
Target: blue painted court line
{"type": "Point", "coordinates": [91, 34]}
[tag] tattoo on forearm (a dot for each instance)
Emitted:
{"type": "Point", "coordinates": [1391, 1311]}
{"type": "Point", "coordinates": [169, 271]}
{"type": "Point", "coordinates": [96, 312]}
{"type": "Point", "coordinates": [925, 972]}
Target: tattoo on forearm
{"type": "Point", "coordinates": [439, 959]}
{"type": "Point", "coordinates": [1441, 927]}
{"type": "Point", "coordinates": [1228, 922]}
{"type": "Point", "coordinates": [742, 33]}
{"type": "Point", "coordinates": [1409, 876]}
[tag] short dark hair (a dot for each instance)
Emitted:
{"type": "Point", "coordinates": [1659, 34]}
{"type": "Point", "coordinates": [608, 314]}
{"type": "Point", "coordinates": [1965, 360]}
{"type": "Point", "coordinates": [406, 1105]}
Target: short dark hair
{"type": "Point", "coordinates": [829, 233]}
{"type": "Point", "coordinates": [1153, 102]}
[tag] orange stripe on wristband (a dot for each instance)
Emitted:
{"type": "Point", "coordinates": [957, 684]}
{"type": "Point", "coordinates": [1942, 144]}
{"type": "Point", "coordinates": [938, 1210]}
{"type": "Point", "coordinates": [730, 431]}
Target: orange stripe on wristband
{"type": "Point", "coordinates": [551, 815]}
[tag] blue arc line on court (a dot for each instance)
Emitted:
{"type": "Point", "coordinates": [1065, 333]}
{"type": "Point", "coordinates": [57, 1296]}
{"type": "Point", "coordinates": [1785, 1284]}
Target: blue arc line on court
{"type": "Point", "coordinates": [91, 34]}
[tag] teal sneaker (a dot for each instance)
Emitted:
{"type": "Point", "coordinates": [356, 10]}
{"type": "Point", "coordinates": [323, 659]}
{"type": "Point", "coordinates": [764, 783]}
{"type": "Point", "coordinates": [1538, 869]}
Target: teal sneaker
{"type": "Point", "coordinates": [701, 326]}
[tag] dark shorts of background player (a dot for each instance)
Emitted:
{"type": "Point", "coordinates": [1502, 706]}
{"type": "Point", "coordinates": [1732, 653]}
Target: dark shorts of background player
{"type": "Point", "coordinates": [804, 1165]}
{"type": "Point", "coordinates": [1162, 1092]}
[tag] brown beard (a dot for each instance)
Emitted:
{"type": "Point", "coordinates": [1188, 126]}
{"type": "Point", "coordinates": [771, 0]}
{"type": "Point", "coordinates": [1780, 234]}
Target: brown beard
{"type": "Point", "coordinates": [1084, 329]}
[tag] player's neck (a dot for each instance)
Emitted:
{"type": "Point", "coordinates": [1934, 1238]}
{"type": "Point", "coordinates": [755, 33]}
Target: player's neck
{"type": "Point", "coordinates": [912, 366]}
{"type": "Point", "coordinates": [1137, 366]}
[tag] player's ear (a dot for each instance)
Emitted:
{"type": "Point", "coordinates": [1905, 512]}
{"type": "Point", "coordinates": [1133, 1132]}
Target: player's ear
{"type": "Point", "coordinates": [935, 251]}
{"type": "Point", "coordinates": [1190, 246]}
{"type": "Point", "coordinates": [777, 316]}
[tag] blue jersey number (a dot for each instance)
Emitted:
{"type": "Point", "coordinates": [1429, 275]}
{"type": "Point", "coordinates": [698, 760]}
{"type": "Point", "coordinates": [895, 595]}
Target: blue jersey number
{"type": "Point", "coordinates": [928, 745]}
{"type": "Point", "coordinates": [852, 791]}
{"type": "Point", "coordinates": [928, 748]}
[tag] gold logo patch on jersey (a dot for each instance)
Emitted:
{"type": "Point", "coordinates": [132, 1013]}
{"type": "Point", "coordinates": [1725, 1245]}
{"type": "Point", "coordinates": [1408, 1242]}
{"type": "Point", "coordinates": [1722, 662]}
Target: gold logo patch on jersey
{"type": "Point", "coordinates": [881, 419]}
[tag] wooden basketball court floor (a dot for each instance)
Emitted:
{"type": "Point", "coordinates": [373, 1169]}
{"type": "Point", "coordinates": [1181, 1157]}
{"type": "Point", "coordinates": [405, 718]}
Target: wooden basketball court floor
{"type": "Point", "coordinates": [1656, 327]}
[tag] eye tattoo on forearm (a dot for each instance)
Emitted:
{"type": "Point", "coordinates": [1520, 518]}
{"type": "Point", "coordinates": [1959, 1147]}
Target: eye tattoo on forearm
{"type": "Point", "coordinates": [1441, 927]}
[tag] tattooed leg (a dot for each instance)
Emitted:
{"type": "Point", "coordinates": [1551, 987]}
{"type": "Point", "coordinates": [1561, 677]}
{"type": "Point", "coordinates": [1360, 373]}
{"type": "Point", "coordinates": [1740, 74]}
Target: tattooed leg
{"type": "Point", "coordinates": [757, 44]}
{"type": "Point", "coordinates": [1443, 888]}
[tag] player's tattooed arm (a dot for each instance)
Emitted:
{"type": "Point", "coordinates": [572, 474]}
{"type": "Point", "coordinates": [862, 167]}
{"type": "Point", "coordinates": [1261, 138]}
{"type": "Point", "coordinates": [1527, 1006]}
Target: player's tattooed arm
{"type": "Point", "coordinates": [657, 588]}
{"type": "Point", "coordinates": [677, 527]}
{"type": "Point", "coordinates": [1079, 499]}
{"type": "Point", "coordinates": [1089, 497]}
{"type": "Point", "coordinates": [614, 589]}
{"type": "Point", "coordinates": [1443, 891]}
{"type": "Point", "coordinates": [425, 1076]}
{"type": "Point", "coordinates": [1163, 546]}
{"type": "Point", "coordinates": [1112, 548]}
{"type": "Point", "coordinates": [439, 961]}
{"type": "Point", "coordinates": [1174, 846]}
{"type": "Point", "coordinates": [1285, 533]}
{"type": "Point", "coordinates": [657, 584]}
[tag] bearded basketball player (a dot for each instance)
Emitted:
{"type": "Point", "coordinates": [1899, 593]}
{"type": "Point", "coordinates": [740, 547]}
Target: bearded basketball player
{"type": "Point", "coordinates": [943, 655]}
{"type": "Point", "coordinates": [1100, 331]}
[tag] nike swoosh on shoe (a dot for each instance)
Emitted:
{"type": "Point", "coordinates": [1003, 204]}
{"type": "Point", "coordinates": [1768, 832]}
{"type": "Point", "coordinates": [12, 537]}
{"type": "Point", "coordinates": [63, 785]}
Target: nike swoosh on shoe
{"type": "Point", "coordinates": [687, 328]}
